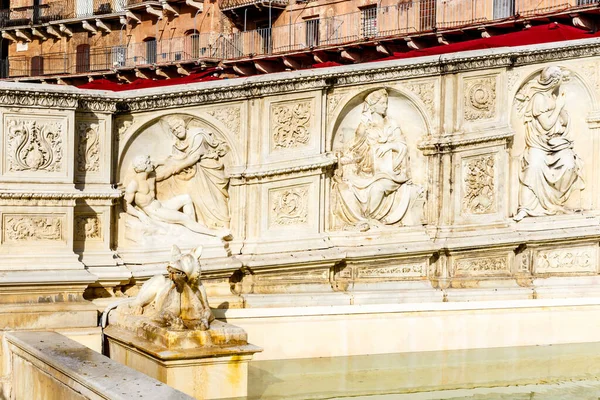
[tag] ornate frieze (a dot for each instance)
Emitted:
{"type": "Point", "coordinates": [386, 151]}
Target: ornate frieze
{"type": "Point", "coordinates": [479, 192]}
{"type": "Point", "coordinates": [88, 227]}
{"type": "Point", "coordinates": [497, 265]}
{"type": "Point", "coordinates": [88, 148]}
{"type": "Point", "coordinates": [229, 116]}
{"type": "Point", "coordinates": [480, 98]}
{"type": "Point", "coordinates": [33, 227]}
{"type": "Point", "coordinates": [37, 99]}
{"type": "Point", "coordinates": [289, 206]}
{"type": "Point", "coordinates": [98, 105]}
{"type": "Point", "coordinates": [308, 275]}
{"type": "Point", "coordinates": [570, 260]}
{"type": "Point", "coordinates": [290, 124]}
{"type": "Point", "coordinates": [34, 144]}
{"type": "Point", "coordinates": [412, 270]}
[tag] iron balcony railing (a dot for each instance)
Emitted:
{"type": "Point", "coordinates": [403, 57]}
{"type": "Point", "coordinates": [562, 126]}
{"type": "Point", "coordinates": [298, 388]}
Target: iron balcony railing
{"type": "Point", "coordinates": [58, 10]}
{"type": "Point", "coordinates": [374, 23]}
{"type": "Point", "coordinates": [232, 4]}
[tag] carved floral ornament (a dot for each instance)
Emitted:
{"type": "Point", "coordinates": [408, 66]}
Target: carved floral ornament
{"type": "Point", "coordinates": [228, 116]}
{"type": "Point", "coordinates": [291, 124]}
{"type": "Point", "coordinates": [88, 227]}
{"type": "Point", "coordinates": [289, 206]}
{"type": "Point", "coordinates": [479, 196]}
{"type": "Point", "coordinates": [88, 150]}
{"type": "Point", "coordinates": [34, 145]}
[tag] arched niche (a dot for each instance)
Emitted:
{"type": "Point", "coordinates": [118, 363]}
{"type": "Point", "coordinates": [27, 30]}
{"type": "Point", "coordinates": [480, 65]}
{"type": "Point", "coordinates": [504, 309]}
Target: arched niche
{"type": "Point", "coordinates": [403, 113]}
{"type": "Point", "coordinates": [580, 102]}
{"type": "Point", "coordinates": [199, 190]}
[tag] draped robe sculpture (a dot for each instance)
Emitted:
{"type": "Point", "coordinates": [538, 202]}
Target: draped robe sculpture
{"type": "Point", "coordinates": [372, 185]}
{"type": "Point", "coordinates": [204, 180]}
{"type": "Point", "coordinates": [550, 168]}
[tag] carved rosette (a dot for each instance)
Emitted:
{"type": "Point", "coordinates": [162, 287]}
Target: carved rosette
{"type": "Point", "coordinates": [479, 192]}
{"type": "Point", "coordinates": [289, 206]}
{"type": "Point", "coordinates": [34, 145]}
{"type": "Point", "coordinates": [481, 266]}
{"type": "Point", "coordinates": [88, 227]}
{"type": "Point", "coordinates": [88, 149]}
{"type": "Point", "coordinates": [229, 116]}
{"type": "Point", "coordinates": [25, 228]}
{"type": "Point", "coordinates": [291, 125]}
{"type": "Point", "coordinates": [480, 99]}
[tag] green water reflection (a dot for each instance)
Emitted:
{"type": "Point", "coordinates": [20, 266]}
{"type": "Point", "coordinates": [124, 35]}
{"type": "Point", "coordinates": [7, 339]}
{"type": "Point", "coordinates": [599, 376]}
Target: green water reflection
{"type": "Point", "coordinates": [569, 371]}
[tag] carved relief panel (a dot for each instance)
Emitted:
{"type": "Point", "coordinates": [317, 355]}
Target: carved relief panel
{"type": "Point", "coordinates": [480, 185]}
{"type": "Point", "coordinates": [90, 148]}
{"type": "Point", "coordinates": [553, 156]}
{"type": "Point", "coordinates": [290, 205]}
{"type": "Point", "coordinates": [291, 127]}
{"type": "Point", "coordinates": [479, 100]}
{"type": "Point", "coordinates": [88, 227]}
{"type": "Point", "coordinates": [35, 146]}
{"type": "Point", "coordinates": [566, 260]}
{"type": "Point", "coordinates": [182, 164]}
{"type": "Point", "coordinates": [379, 181]}
{"type": "Point", "coordinates": [25, 228]}
{"type": "Point", "coordinates": [489, 265]}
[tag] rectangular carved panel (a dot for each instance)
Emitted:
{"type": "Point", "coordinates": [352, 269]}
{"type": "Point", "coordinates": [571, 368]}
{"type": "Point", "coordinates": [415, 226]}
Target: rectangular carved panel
{"type": "Point", "coordinates": [32, 227]}
{"type": "Point", "coordinates": [88, 227]}
{"type": "Point", "coordinates": [479, 185]}
{"type": "Point", "coordinates": [412, 270]}
{"type": "Point", "coordinates": [290, 124]}
{"type": "Point", "coordinates": [481, 266]}
{"type": "Point", "coordinates": [569, 260]}
{"type": "Point", "coordinates": [288, 206]}
{"type": "Point", "coordinates": [34, 145]}
{"type": "Point", "coordinates": [88, 147]}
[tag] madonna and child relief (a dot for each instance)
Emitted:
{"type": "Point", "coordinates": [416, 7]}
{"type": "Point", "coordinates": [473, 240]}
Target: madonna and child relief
{"type": "Point", "coordinates": [373, 184]}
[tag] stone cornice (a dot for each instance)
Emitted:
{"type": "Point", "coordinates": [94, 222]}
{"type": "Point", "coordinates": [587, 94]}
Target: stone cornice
{"type": "Point", "coordinates": [251, 175]}
{"type": "Point", "coordinates": [448, 143]}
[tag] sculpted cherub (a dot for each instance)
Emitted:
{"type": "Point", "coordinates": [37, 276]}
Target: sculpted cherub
{"type": "Point", "coordinates": [179, 300]}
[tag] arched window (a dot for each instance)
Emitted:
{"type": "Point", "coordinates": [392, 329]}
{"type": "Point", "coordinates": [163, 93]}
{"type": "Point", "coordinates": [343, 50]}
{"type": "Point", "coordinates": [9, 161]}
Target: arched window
{"type": "Point", "coordinates": [82, 60]}
{"type": "Point", "coordinates": [150, 50]}
{"type": "Point", "coordinates": [37, 66]}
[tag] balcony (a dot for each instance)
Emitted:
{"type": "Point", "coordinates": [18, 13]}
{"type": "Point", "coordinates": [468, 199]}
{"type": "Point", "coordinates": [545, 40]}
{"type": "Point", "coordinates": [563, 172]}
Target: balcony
{"type": "Point", "coordinates": [396, 23]}
{"type": "Point", "coordinates": [227, 5]}
{"type": "Point", "coordinates": [58, 10]}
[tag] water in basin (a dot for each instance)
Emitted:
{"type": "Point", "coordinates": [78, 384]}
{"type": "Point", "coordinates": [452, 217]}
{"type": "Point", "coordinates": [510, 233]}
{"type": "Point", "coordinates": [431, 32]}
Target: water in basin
{"type": "Point", "coordinates": [565, 371]}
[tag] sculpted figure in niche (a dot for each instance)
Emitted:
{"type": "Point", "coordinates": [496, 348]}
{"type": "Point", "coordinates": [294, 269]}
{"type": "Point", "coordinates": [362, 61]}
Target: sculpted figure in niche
{"type": "Point", "coordinates": [372, 184]}
{"type": "Point", "coordinates": [550, 169]}
{"type": "Point", "coordinates": [141, 201]}
{"type": "Point", "coordinates": [178, 301]}
{"type": "Point", "coordinates": [204, 178]}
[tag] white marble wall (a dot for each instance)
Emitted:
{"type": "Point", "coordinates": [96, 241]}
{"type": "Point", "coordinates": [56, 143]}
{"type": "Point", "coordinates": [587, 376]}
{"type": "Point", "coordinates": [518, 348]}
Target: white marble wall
{"type": "Point", "coordinates": [400, 175]}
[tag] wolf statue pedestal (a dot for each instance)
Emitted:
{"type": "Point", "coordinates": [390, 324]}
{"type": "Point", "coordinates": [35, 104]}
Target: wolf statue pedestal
{"type": "Point", "coordinates": [169, 332]}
